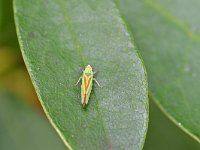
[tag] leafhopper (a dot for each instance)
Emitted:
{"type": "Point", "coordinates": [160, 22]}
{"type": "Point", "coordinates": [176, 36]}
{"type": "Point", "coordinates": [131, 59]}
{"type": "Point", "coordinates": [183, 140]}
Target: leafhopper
{"type": "Point", "coordinates": [87, 82]}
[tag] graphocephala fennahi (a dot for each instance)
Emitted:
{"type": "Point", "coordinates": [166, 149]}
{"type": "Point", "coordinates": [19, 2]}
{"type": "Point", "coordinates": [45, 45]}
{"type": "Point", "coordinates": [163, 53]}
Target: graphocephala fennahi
{"type": "Point", "coordinates": [86, 87]}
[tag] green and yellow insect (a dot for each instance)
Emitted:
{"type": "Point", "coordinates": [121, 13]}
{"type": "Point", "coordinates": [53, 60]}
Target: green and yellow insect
{"type": "Point", "coordinates": [87, 82]}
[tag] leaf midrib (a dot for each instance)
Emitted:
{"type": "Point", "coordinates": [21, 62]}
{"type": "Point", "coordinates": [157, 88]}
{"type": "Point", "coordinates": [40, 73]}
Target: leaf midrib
{"type": "Point", "coordinates": [69, 24]}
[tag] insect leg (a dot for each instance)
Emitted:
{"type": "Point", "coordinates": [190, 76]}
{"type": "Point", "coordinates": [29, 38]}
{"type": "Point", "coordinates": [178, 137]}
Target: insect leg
{"type": "Point", "coordinates": [81, 70]}
{"type": "Point", "coordinates": [94, 72]}
{"type": "Point", "coordinates": [78, 80]}
{"type": "Point", "coordinates": [97, 82]}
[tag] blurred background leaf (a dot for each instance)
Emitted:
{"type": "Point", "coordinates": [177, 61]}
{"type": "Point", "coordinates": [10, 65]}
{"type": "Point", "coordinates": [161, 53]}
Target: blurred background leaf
{"type": "Point", "coordinates": [164, 135]}
{"type": "Point", "coordinates": [7, 27]}
{"type": "Point", "coordinates": [14, 76]}
{"type": "Point", "coordinates": [21, 128]}
{"type": "Point", "coordinates": [167, 34]}
{"type": "Point", "coordinates": [59, 37]}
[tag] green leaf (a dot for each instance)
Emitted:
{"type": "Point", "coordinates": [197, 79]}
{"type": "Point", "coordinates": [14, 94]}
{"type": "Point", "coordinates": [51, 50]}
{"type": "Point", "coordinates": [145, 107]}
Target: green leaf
{"type": "Point", "coordinates": [8, 37]}
{"type": "Point", "coordinates": [167, 33]}
{"type": "Point", "coordinates": [1, 14]}
{"type": "Point", "coordinates": [21, 128]}
{"type": "Point", "coordinates": [164, 135]}
{"type": "Point", "coordinates": [59, 37]}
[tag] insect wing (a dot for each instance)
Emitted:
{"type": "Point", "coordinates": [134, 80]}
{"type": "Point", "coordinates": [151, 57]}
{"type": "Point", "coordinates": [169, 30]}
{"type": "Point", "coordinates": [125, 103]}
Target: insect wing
{"type": "Point", "coordinates": [86, 88]}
